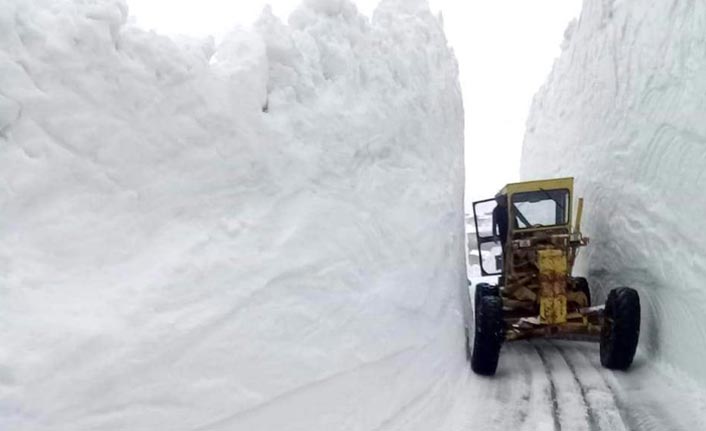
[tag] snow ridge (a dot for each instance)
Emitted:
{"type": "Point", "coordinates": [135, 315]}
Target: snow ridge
{"type": "Point", "coordinates": [265, 234]}
{"type": "Point", "coordinates": [623, 112]}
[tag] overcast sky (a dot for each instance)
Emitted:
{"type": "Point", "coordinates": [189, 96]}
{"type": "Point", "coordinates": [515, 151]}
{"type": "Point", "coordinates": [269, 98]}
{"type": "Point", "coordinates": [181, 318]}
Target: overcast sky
{"type": "Point", "coordinates": [505, 50]}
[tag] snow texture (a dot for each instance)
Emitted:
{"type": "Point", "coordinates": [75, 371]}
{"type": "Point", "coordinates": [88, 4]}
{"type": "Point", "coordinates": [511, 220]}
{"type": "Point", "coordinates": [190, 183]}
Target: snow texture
{"type": "Point", "coordinates": [266, 234]}
{"type": "Point", "coordinates": [624, 112]}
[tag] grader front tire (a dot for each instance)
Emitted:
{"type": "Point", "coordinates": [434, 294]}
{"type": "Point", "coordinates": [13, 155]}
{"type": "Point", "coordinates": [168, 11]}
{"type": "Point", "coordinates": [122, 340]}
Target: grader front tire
{"type": "Point", "coordinates": [483, 290]}
{"type": "Point", "coordinates": [621, 329]}
{"type": "Point", "coordinates": [489, 334]}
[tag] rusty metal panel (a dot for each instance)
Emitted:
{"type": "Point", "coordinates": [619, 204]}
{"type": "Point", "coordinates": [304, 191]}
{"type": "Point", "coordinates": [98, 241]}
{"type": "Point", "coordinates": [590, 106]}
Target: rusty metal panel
{"type": "Point", "coordinates": [553, 267]}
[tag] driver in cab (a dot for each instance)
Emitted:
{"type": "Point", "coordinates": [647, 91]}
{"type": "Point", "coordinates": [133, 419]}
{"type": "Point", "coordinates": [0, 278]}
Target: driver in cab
{"type": "Point", "coordinates": [500, 220]}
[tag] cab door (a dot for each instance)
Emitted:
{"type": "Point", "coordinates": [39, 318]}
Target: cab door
{"type": "Point", "coordinates": [488, 249]}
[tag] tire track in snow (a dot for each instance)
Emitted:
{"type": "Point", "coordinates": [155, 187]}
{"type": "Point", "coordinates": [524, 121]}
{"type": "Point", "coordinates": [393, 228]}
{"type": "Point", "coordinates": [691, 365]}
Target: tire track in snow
{"type": "Point", "coordinates": [576, 409]}
{"type": "Point", "coordinates": [643, 413]}
{"type": "Point", "coordinates": [553, 400]}
{"type": "Point", "coordinates": [516, 398]}
{"type": "Point", "coordinates": [526, 396]}
{"type": "Point", "coordinates": [603, 410]}
{"type": "Point", "coordinates": [552, 389]}
{"type": "Point", "coordinates": [625, 412]}
{"type": "Point", "coordinates": [539, 414]}
{"type": "Point", "coordinates": [517, 394]}
{"type": "Point", "coordinates": [501, 390]}
{"type": "Point", "coordinates": [552, 385]}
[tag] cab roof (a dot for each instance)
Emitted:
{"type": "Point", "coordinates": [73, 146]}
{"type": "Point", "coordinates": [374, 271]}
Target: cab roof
{"type": "Point", "coordinates": [537, 185]}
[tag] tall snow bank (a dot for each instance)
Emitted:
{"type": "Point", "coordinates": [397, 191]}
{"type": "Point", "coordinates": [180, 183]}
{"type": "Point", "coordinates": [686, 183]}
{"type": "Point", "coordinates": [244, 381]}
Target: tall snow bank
{"type": "Point", "coordinates": [624, 111]}
{"type": "Point", "coordinates": [263, 235]}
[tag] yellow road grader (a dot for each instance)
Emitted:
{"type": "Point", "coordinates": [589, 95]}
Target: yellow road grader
{"type": "Point", "coordinates": [527, 238]}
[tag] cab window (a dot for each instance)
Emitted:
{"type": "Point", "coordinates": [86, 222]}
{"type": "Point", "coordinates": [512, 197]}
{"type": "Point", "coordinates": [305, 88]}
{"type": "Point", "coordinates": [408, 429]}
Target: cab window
{"type": "Point", "coordinates": [541, 208]}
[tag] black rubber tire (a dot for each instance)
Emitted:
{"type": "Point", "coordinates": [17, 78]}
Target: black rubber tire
{"type": "Point", "coordinates": [621, 329]}
{"type": "Point", "coordinates": [582, 286]}
{"type": "Point", "coordinates": [485, 289]}
{"type": "Point", "coordinates": [489, 335]}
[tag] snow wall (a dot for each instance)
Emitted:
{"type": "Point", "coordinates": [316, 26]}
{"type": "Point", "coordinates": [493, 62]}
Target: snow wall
{"type": "Point", "coordinates": [266, 234]}
{"type": "Point", "coordinates": [624, 111]}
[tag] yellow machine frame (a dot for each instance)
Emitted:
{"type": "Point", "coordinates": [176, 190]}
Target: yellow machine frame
{"type": "Point", "coordinates": [537, 295]}
{"type": "Point", "coordinates": [541, 299]}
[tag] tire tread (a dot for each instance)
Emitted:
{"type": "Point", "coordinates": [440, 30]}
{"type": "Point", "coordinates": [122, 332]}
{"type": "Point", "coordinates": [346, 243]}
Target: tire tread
{"type": "Point", "coordinates": [621, 330]}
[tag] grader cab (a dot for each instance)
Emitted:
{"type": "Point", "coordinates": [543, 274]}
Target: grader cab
{"type": "Point", "coordinates": [537, 295]}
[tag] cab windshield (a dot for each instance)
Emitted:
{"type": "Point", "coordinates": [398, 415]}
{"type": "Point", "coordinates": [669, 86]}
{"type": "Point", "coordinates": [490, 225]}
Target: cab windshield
{"type": "Point", "coordinates": [541, 208]}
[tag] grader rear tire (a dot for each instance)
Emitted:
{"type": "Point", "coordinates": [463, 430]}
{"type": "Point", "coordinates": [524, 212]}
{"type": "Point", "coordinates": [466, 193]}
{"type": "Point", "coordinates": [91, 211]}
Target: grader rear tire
{"type": "Point", "coordinates": [621, 329]}
{"type": "Point", "coordinates": [489, 335]}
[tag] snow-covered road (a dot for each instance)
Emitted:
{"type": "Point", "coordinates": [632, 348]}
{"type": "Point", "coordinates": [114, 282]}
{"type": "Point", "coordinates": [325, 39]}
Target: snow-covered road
{"type": "Point", "coordinates": [560, 385]}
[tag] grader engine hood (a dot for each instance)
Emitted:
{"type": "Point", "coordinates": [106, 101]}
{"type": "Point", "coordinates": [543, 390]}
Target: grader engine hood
{"type": "Point", "coordinates": [553, 273]}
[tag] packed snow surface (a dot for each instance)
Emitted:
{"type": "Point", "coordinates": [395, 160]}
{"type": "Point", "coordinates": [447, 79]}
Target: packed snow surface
{"type": "Point", "coordinates": [624, 112]}
{"type": "Point", "coordinates": [266, 234]}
